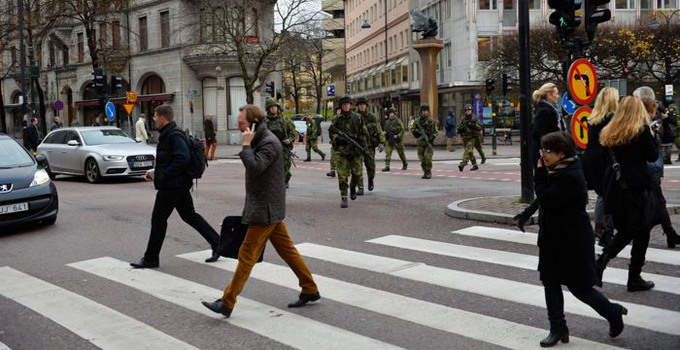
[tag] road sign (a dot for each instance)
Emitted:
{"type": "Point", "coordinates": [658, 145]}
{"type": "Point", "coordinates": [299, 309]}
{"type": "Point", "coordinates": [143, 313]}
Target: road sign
{"type": "Point", "coordinates": [58, 105]}
{"type": "Point", "coordinates": [331, 90]}
{"type": "Point", "coordinates": [669, 89]}
{"type": "Point", "coordinates": [132, 97]}
{"type": "Point", "coordinates": [111, 111]}
{"type": "Point", "coordinates": [579, 126]}
{"type": "Point", "coordinates": [129, 107]}
{"type": "Point", "coordinates": [582, 81]}
{"type": "Point", "coordinates": [568, 105]}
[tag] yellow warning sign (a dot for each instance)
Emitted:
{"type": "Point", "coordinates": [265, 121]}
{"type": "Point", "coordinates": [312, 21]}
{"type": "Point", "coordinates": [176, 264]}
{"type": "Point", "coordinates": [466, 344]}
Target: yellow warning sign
{"type": "Point", "coordinates": [579, 126]}
{"type": "Point", "coordinates": [129, 107]}
{"type": "Point", "coordinates": [582, 81]}
{"type": "Point", "coordinates": [132, 97]}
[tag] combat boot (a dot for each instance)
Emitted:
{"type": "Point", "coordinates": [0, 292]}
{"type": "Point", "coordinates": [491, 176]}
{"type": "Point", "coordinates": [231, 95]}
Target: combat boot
{"type": "Point", "coordinates": [352, 193]}
{"type": "Point", "coordinates": [360, 191]}
{"type": "Point", "coordinates": [331, 173]}
{"type": "Point", "coordinates": [386, 168]}
{"type": "Point", "coordinates": [405, 166]}
{"type": "Point", "coordinates": [307, 160]}
{"type": "Point", "coordinates": [475, 167]}
{"type": "Point", "coordinates": [461, 167]}
{"type": "Point", "coordinates": [370, 185]}
{"type": "Point", "coordinates": [323, 156]}
{"type": "Point", "coordinates": [309, 157]}
{"type": "Point", "coordinates": [343, 202]}
{"type": "Point", "coordinates": [483, 159]}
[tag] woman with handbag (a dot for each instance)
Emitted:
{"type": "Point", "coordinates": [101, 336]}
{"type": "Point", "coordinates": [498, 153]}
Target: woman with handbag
{"type": "Point", "coordinates": [630, 145]}
{"type": "Point", "coordinates": [565, 238]}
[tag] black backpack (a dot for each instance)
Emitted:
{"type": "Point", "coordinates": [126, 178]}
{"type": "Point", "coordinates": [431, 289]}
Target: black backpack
{"type": "Point", "coordinates": [198, 161]}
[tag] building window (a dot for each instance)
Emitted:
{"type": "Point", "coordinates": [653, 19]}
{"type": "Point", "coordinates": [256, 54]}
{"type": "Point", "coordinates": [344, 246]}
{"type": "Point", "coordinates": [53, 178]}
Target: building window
{"type": "Point", "coordinates": [13, 55]}
{"type": "Point", "coordinates": [645, 4]}
{"type": "Point", "coordinates": [483, 49]}
{"type": "Point", "coordinates": [507, 4]}
{"type": "Point", "coordinates": [53, 55]}
{"type": "Point", "coordinates": [488, 4]}
{"type": "Point", "coordinates": [666, 4]}
{"type": "Point", "coordinates": [81, 47]}
{"type": "Point", "coordinates": [404, 74]}
{"type": "Point", "coordinates": [447, 54]}
{"type": "Point", "coordinates": [115, 34]}
{"type": "Point", "coordinates": [534, 4]}
{"type": "Point", "coordinates": [143, 35]}
{"type": "Point", "coordinates": [165, 29]}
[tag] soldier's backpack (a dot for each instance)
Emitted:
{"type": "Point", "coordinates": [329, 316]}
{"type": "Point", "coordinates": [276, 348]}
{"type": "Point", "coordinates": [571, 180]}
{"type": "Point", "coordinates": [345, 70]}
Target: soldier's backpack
{"type": "Point", "coordinates": [198, 161]}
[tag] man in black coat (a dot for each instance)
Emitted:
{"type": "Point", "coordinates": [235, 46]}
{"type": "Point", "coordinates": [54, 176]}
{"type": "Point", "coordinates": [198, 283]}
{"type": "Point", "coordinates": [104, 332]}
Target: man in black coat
{"type": "Point", "coordinates": [173, 184]}
{"type": "Point", "coordinates": [33, 136]}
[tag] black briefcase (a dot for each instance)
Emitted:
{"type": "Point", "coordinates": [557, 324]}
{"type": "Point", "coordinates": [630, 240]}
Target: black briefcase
{"type": "Point", "coordinates": [231, 237]}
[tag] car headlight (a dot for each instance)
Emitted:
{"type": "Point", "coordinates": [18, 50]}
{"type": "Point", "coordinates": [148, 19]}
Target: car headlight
{"type": "Point", "coordinates": [40, 177]}
{"type": "Point", "coordinates": [113, 158]}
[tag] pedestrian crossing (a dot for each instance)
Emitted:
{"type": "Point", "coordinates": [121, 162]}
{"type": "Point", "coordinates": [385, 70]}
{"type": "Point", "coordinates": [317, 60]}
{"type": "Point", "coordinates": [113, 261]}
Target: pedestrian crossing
{"type": "Point", "coordinates": [107, 328]}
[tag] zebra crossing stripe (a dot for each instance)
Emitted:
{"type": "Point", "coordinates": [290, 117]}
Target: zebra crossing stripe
{"type": "Point", "coordinates": [4, 347]}
{"type": "Point", "coordinates": [663, 256]}
{"type": "Point", "coordinates": [663, 283]}
{"type": "Point", "coordinates": [262, 319]}
{"type": "Point", "coordinates": [488, 329]}
{"type": "Point", "coordinates": [653, 318]}
{"type": "Point", "coordinates": [100, 325]}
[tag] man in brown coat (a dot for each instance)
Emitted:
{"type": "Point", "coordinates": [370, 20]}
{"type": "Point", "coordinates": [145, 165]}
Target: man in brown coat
{"type": "Point", "coordinates": [264, 211]}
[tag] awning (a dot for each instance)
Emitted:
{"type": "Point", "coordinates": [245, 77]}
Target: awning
{"type": "Point", "coordinates": [162, 97]}
{"type": "Point", "coordinates": [12, 105]}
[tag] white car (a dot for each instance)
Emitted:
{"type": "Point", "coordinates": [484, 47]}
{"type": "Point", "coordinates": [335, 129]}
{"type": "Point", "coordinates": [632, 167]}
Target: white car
{"type": "Point", "coordinates": [95, 152]}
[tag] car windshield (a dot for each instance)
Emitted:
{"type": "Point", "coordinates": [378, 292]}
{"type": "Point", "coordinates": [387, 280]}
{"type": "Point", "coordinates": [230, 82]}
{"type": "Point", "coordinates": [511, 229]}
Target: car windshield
{"type": "Point", "coordinates": [106, 136]}
{"type": "Point", "coordinates": [13, 155]}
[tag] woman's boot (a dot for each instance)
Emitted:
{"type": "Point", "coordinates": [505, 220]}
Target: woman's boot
{"type": "Point", "coordinates": [600, 265]}
{"type": "Point", "coordinates": [672, 238]}
{"type": "Point", "coordinates": [635, 281]}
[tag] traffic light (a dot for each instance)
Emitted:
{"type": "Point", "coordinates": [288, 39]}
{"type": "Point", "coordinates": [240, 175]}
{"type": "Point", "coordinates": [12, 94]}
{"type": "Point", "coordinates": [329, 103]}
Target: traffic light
{"type": "Point", "coordinates": [270, 89]}
{"type": "Point", "coordinates": [98, 80]}
{"type": "Point", "coordinates": [595, 16]}
{"type": "Point", "coordinates": [564, 17]}
{"type": "Point", "coordinates": [506, 84]}
{"type": "Point", "coordinates": [490, 87]}
{"type": "Point", "coordinates": [116, 83]}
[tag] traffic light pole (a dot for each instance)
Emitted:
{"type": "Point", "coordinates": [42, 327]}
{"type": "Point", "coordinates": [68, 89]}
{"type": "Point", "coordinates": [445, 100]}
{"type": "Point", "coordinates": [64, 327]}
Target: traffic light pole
{"type": "Point", "coordinates": [525, 103]}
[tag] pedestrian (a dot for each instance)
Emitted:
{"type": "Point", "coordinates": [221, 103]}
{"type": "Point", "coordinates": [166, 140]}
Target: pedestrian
{"type": "Point", "coordinates": [334, 155]}
{"type": "Point", "coordinates": [410, 122]}
{"type": "Point", "coordinates": [376, 139]}
{"type": "Point", "coordinates": [629, 138]}
{"type": "Point", "coordinates": [565, 238]}
{"type": "Point", "coordinates": [425, 131]}
{"type": "Point", "coordinates": [348, 133]}
{"type": "Point", "coordinates": [479, 141]}
{"type": "Point", "coordinates": [284, 129]}
{"type": "Point", "coordinates": [33, 136]}
{"type": "Point", "coordinates": [469, 130]}
{"type": "Point", "coordinates": [450, 131]}
{"type": "Point", "coordinates": [172, 184]}
{"type": "Point", "coordinates": [595, 156]}
{"type": "Point", "coordinates": [264, 212]}
{"type": "Point", "coordinates": [394, 130]}
{"type": "Point", "coordinates": [669, 124]}
{"type": "Point", "coordinates": [56, 123]}
{"type": "Point", "coordinates": [210, 137]}
{"type": "Point", "coordinates": [140, 129]}
{"type": "Point", "coordinates": [546, 120]}
{"type": "Point", "coordinates": [312, 137]}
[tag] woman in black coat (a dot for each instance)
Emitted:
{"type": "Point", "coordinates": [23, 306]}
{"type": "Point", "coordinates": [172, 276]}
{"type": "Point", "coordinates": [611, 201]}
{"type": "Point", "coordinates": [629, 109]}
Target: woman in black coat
{"type": "Point", "coordinates": [565, 238]}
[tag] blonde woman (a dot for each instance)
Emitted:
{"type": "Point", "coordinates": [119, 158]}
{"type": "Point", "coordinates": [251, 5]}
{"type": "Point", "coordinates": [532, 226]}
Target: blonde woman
{"type": "Point", "coordinates": [629, 137]}
{"type": "Point", "coordinates": [594, 158]}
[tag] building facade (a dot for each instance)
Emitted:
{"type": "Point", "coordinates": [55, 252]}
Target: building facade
{"type": "Point", "coordinates": [333, 60]}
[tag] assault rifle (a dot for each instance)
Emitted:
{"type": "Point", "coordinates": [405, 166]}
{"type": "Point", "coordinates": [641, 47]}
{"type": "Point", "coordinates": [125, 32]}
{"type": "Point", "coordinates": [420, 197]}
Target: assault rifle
{"type": "Point", "coordinates": [390, 138]}
{"type": "Point", "coordinates": [424, 135]}
{"type": "Point", "coordinates": [289, 152]}
{"type": "Point", "coordinates": [349, 139]}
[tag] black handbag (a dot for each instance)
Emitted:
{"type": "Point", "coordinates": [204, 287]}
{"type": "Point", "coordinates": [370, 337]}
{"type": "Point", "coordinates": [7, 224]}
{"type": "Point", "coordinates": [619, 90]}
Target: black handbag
{"type": "Point", "coordinates": [231, 237]}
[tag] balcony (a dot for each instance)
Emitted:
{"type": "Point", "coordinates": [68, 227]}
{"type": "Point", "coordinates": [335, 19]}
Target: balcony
{"type": "Point", "coordinates": [332, 5]}
{"type": "Point", "coordinates": [332, 24]}
{"type": "Point", "coordinates": [203, 58]}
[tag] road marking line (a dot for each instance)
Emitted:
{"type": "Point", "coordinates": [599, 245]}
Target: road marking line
{"type": "Point", "coordinates": [4, 347]}
{"type": "Point", "coordinates": [643, 316]}
{"type": "Point", "coordinates": [262, 319]}
{"type": "Point", "coordinates": [663, 256]}
{"type": "Point", "coordinates": [468, 324]}
{"type": "Point", "coordinates": [94, 322]}
{"type": "Point", "coordinates": [664, 283]}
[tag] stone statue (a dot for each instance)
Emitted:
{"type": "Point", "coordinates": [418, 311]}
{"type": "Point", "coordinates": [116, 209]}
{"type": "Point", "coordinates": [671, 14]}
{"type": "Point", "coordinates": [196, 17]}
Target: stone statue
{"type": "Point", "coordinates": [422, 23]}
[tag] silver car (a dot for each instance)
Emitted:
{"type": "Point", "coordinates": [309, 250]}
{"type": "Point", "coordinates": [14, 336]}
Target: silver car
{"type": "Point", "coordinates": [95, 152]}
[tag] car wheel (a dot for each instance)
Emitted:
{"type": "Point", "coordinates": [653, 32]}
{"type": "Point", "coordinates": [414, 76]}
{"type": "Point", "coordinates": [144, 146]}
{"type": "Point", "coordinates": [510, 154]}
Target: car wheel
{"type": "Point", "coordinates": [50, 173]}
{"type": "Point", "coordinates": [92, 171]}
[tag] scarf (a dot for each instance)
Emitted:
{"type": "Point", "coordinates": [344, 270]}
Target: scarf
{"type": "Point", "coordinates": [562, 165]}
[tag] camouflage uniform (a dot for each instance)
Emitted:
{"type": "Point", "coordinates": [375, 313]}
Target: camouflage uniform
{"type": "Point", "coordinates": [394, 129]}
{"type": "Point", "coordinates": [424, 142]}
{"type": "Point", "coordinates": [348, 160]}
{"type": "Point", "coordinates": [375, 139]}
{"type": "Point", "coordinates": [469, 129]}
{"type": "Point", "coordinates": [478, 143]}
{"type": "Point", "coordinates": [284, 129]}
{"type": "Point", "coordinates": [312, 135]}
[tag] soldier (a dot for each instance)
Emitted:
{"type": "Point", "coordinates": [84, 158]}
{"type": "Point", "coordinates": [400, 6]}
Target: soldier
{"type": "Point", "coordinates": [376, 138]}
{"type": "Point", "coordinates": [284, 129]}
{"type": "Point", "coordinates": [480, 135]}
{"type": "Point", "coordinates": [394, 130]}
{"type": "Point", "coordinates": [348, 136]}
{"type": "Point", "coordinates": [334, 156]}
{"type": "Point", "coordinates": [425, 131]}
{"type": "Point", "coordinates": [469, 129]}
{"type": "Point", "coordinates": [312, 135]}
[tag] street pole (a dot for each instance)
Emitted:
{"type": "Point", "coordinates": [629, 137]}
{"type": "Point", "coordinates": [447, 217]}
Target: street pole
{"type": "Point", "coordinates": [22, 59]}
{"type": "Point", "coordinates": [525, 103]}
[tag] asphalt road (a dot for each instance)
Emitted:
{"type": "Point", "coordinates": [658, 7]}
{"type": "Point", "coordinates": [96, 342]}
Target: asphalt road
{"type": "Point", "coordinates": [66, 293]}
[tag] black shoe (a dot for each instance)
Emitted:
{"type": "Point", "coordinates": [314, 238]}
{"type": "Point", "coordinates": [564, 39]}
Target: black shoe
{"type": "Point", "coordinates": [520, 220]}
{"type": "Point", "coordinates": [307, 160]}
{"type": "Point", "coordinates": [218, 306]}
{"type": "Point", "coordinates": [343, 202]}
{"type": "Point", "coordinates": [553, 338]}
{"type": "Point", "coordinates": [461, 167]}
{"type": "Point", "coordinates": [483, 160]}
{"type": "Point", "coordinates": [386, 168]}
{"type": "Point", "coordinates": [370, 185]}
{"type": "Point", "coordinates": [600, 265]}
{"type": "Point", "coordinates": [323, 156]}
{"type": "Point", "coordinates": [404, 167]}
{"type": "Point", "coordinates": [286, 185]}
{"type": "Point", "coordinates": [352, 193]}
{"type": "Point", "coordinates": [304, 299]}
{"type": "Point", "coordinates": [616, 324]}
{"type": "Point", "coordinates": [360, 191]}
{"type": "Point", "coordinates": [331, 173]}
{"type": "Point", "coordinates": [215, 255]}
{"type": "Point", "coordinates": [428, 175]}
{"type": "Point", "coordinates": [672, 238]}
{"type": "Point", "coordinates": [637, 284]}
{"type": "Point", "coordinates": [475, 167]}
{"type": "Point", "coordinates": [144, 264]}
{"type": "Point", "coordinates": [605, 238]}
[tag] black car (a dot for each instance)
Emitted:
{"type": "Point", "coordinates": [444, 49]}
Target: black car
{"type": "Point", "coordinates": [27, 194]}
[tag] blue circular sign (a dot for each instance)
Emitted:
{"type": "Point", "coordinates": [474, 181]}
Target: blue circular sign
{"type": "Point", "coordinates": [110, 111]}
{"type": "Point", "coordinates": [58, 105]}
{"type": "Point", "coordinates": [568, 105]}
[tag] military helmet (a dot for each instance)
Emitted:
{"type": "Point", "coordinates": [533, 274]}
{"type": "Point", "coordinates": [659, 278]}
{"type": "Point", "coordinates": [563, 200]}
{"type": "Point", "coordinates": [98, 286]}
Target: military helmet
{"type": "Point", "coordinates": [270, 102]}
{"type": "Point", "coordinates": [345, 99]}
{"type": "Point", "coordinates": [391, 110]}
{"type": "Point", "coordinates": [468, 107]}
{"type": "Point", "coordinates": [424, 107]}
{"type": "Point", "coordinates": [362, 100]}
{"type": "Point", "coordinates": [672, 105]}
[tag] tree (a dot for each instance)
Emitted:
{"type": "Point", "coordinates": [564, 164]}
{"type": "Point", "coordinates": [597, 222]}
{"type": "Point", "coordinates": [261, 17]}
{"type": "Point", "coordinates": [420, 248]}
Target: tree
{"type": "Point", "coordinates": [251, 32]}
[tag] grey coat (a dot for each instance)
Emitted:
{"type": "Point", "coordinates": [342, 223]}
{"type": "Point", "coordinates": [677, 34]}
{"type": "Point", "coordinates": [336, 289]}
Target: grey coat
{"type": "Point", "coordinates": [265, 179]}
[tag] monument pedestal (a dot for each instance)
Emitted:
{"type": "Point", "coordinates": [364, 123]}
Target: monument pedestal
{"type": "Point", "coordinates": [428, 49]}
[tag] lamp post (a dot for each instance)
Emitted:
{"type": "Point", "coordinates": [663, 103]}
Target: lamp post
{"type": "Point", "coordinates": [366, 25]}
{"type": "Point", "coordinates": [22, 57]}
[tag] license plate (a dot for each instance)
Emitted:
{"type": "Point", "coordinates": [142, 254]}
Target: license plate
{"type": "Point", "coordinates": [13, 208]}
{"type": "Point", "coordinates": [142, 164]}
